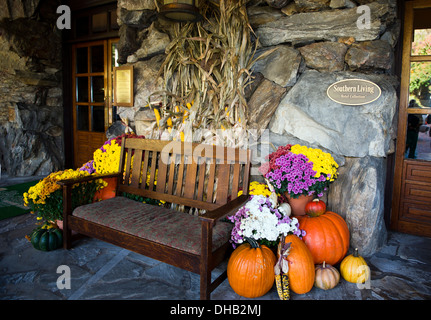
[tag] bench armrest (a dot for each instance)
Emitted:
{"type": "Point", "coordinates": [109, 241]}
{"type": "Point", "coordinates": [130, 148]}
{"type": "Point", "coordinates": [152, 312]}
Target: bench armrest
{"type": "Point", "coordinates": [67, 186]}
{"type": "Point", "coordinates": [225, 209]}
{"type": "Point", "coordinates": [92, 177]}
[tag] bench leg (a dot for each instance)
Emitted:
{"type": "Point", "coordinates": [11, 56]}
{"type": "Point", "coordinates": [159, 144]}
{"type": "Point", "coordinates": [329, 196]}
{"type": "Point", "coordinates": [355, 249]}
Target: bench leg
{"type": "Point", "coordinates": [205, 285]}
{"type": "Point", "coordinates": [67, 209]}
{"type": "Point", "coordinates": [67, 238]}
{"type": "Point", "coordinates": [206, 251]}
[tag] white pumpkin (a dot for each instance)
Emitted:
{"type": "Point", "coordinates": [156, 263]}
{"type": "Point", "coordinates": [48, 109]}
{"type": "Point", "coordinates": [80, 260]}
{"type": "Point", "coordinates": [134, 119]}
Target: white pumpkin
{"type": "Point", "coordinates": [285, 209]}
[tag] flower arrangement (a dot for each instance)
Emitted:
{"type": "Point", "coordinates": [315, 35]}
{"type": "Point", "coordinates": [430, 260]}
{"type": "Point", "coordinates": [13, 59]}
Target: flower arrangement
{"type": "Point", "coordinates": [46, 199]}
{"type": "Point", "coordinates": [260, 220]}
{"type": "Point", "coordinates": [324, 165]}
{"type": "Point", "coordinates": [106, 159]}
{"type": "Point", "coordinates": [299, 170]}
{"type": "Point", "coordinates": [257, 188]}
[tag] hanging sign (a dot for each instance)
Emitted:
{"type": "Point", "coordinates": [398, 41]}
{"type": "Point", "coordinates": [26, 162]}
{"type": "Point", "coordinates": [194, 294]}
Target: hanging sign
{"type": "Point", "coordinates": [354, 92]}
{"type": "Point", "coordinates": [123, 86]}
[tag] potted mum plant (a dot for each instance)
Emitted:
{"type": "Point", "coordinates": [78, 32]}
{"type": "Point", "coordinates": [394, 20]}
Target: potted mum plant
{"type": "Point", "coordinates": [46, 199]}
{"type": "Point", "coordinates": [106, 160]}
{"type": "Point", "coordinates": [261, 220]}
{"type": "Point", "coordinates": [300, 173]}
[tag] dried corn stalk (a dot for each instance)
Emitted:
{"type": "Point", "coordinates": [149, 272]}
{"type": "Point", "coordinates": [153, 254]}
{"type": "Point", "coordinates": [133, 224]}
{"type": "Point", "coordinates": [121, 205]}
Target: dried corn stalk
{"type": "Point", "coordinates": [206, 71]}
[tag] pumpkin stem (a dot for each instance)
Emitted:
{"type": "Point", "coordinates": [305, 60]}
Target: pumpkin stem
{"type": "Point", "coordinates": [356, 253]}
{"type": "Point", "coordinates": [253, 243]}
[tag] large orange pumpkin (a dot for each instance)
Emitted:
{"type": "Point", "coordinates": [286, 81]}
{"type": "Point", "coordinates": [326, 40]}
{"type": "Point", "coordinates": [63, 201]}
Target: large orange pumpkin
{"type": "Point", "coordinates": [301, 266]}
{"type": "Point", "coordinates": [327, 237]}
{"type": "Point", "coordinates": [250, 269]}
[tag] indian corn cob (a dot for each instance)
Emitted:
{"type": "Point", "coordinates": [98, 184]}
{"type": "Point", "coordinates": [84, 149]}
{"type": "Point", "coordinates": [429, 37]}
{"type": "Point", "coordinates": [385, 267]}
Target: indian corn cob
{"type": "Point", "coordinates": [281, 270]}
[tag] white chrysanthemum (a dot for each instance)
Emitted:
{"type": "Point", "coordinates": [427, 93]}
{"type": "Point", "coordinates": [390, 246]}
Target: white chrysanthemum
{"type": "Point", "coordinates": [262, 221]}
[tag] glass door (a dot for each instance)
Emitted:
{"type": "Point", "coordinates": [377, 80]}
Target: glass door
{"type": "Point", "coordinates": [92, 103]}
{"type": "Point", "coordinates": [411, 206]}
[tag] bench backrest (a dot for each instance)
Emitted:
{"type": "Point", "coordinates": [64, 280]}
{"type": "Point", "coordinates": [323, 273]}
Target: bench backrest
{"type": "Point", "coordinates": [190, 174]}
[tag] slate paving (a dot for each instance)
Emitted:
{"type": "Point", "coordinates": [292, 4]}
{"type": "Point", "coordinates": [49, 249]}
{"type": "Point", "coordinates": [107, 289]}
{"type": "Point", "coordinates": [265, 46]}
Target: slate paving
{"type": "Point", "coordinates": [101, 271]}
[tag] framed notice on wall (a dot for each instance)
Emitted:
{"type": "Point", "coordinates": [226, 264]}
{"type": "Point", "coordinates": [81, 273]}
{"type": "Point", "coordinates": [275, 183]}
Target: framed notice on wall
{"type": "Point", "coordinates": [123, 86]}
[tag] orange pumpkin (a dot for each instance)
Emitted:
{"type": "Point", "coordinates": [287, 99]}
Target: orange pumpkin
{"type": "Point", "coordinates": [327, 277]}
{"type": "Point", "coordinates": [327, 236]}
{"type": "Point", "coordinates": [301, 266]}
{"type": "Point", "coordinates": [250, 269]}
{"type": "Point", "coordinates": [315, 208]}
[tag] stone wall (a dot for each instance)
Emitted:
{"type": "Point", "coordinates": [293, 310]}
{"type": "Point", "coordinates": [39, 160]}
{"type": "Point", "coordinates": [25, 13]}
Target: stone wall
{"type": "Point", "coordinates": [332, 47]}
{"type": "Point", "coordinates": [31, 106]}
{"type": "Point", "coordinates": [319, 42]}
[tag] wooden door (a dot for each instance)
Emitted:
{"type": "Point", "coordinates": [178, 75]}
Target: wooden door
{"type": "Point", "coordinates": [92, 91]}
{"type": "Point", "coordinates": [411, 205]}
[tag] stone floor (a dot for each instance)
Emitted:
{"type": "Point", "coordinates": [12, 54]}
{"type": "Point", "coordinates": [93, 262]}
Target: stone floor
{"type": "Point", "coordinates": [100, 271]}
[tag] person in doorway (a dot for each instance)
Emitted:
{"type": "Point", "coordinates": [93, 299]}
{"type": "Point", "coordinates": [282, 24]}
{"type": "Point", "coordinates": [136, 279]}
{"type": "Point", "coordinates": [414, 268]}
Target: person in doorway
{"type": "Point", "coordinates": [413, 124]}
{"type": "Point", "coordinates": [429, 123]}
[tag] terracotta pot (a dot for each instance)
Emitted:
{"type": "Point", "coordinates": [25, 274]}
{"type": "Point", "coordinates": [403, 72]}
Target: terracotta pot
{"type": "Point", "coordinates": [298, 204]}
{"type": "Point", "coordinates": [60, 226]}
{"type": "Point", "coordinates": [107, 192]}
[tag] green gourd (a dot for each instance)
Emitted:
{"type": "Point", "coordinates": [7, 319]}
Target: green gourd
{"type": "Point", "coordinates": [46, 239]}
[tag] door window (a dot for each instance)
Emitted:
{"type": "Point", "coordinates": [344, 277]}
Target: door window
{"type": "Point", "coordinates": [90, 87]}
{"type": "Point", "coordinates": [418, 131]}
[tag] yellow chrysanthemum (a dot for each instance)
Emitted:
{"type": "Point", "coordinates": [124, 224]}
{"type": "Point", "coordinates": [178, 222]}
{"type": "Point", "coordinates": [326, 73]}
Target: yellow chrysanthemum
{"type": "Point", "coordinates": [323, 162]}
{"type": "Point", "coordinates": [257, 188]}
{"type": "Point", "coordinates": [108, 161]}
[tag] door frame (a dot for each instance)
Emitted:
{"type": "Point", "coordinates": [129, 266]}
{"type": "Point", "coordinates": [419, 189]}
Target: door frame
{"type": "Point", "coordinates": [401, 163]}
{"type": "Point", "coordinates": [89, 103]}
{"type": "Point", "coordinates": [108, 92]}
{"type": "Point", "coordinates": [80, 8]}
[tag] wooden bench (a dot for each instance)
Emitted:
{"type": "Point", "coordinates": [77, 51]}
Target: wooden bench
{"type": "Point", "coordinates": [203, 177]}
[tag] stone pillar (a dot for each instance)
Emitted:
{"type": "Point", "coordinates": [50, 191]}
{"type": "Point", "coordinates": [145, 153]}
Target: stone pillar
{"type": "Point", "coordinates": [358, 195]}
{"type": "Point", "coordinates": [361, 135]}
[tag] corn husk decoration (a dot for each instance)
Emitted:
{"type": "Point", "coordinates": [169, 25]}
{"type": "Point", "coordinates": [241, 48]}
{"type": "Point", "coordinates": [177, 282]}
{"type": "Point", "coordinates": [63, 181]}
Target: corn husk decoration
{"type": "Point", "coordinates": [273, 196]}
{"type": "Point", "coordinates": [209, 62]}
{"type": "Point", "coordinates": [281, 270]}
{"type": "Point", "coordinates": [283, 207]}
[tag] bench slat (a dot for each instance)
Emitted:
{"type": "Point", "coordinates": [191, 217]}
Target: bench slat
{"type": "Point", "coordinates": [235, 180]}
{"type": "Point", "coordinates": [222, 183]}
{"type": "Point", "coordinates": [211, 178]}
{"type": "Point", "coordinates": [171, 174]}
{"type": "Point", "coordinates": [190, 183]}
{"type": "Point", "coordinates": [145, 169]}
{"type": "Point", "coordinates": [128, 162]}
{"type": "Point", "coordinates": [136, 170]}
{"type": "Point", "coordinates": [154, 156]}
{"type": "Point", "coordinates": [201, 185]}
{"type": "Point", "coordinates": [180, 177]}
{"type": "Point", "coordinates": [161, 175]}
